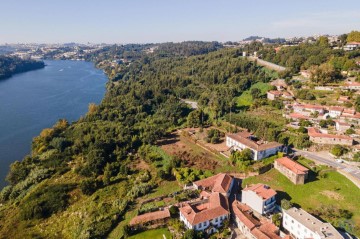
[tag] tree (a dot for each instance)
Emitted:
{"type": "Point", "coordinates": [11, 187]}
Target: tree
{"type": "Point", "coordinates": [324, 74]}
{"type": "Point", "coordinates": [286, 204]}
{"type": "Point", "coordinates": [194, 119]}
{"type": "Point", "coordinates": [255, 93]}
{"type": "Point", "coordinates": [357, 104]}
{"type": "Point", "coordinates": [276, 219]}
{"type": "Point", "coordinates": [353, 36]}
{"type": "Point", "coordinates": [323, 41]}
{"type": "Point", "coordinates": [338, 150]}
{"type": "Point", "coordinates": [350, 131]}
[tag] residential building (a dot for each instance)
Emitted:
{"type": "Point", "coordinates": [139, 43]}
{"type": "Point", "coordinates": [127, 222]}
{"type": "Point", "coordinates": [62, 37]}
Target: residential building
{"type": "Point", "coordinates": [305, 73]}
{"type": "Point", "coordinates": [350, 46]}
{"type": "Point", "coordinates": [342, 126]}
{"type": "Point", "coordinates": [301, 225]}
{"type": "Point", "coordinates": [274, 94]}
{"type": "Point", "coordinates": [252, 227]}
{"type": "Point", "coordinates": [287, 95]}
{"type": "Point", "coordinates": [221, 183]}
{"type": "Point", "coordinates": [260, 149]}
{"type": "Point", "coordinates": [207, 214]}
{"type": "Point", "coordinates": [297, 116]}
{"type": "Point", "coordinates": [260, 197]}
{"type": "Point", "coordinates": [335, 111]}
{"type": "Point", "coordinates": [307, 109]}
{"type": "Point", "coordinates": [294, 171]}
{"type": "Point", "coordinates": [343, 99]}
{"type": "Point", "coordinates": [352, 85]}
{"type": "Point", "coordinates": [317, 137]}
{"type": "Point", "coordinates": [150, 218]}
{"type": "Point", "coordinates": [280, 84]}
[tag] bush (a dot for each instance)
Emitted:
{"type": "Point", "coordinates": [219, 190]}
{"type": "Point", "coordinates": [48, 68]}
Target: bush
{"type": "Point", "coordinates": [88, 186]}
{"type": "Point", "coordinates": [5, 193]}
{"type": "Point", "coordinates": [338, 150]}
{"type": "Point", "coordinates": [44, 202]}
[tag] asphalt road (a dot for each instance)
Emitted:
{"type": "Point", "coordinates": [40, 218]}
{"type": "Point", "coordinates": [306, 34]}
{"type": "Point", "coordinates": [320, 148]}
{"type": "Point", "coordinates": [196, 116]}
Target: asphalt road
{"type": "Point", "coordinates": [352, 170]}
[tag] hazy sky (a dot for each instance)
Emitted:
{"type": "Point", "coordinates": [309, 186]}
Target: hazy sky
{"type": "Point", "coordinates": [141, 21]}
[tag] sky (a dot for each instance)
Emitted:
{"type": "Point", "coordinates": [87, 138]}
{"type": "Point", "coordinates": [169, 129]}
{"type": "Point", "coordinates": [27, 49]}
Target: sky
{"type": "Point", "coordinates": [145, 21]}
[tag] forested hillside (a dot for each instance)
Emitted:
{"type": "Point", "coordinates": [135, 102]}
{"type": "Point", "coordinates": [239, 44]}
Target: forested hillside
{"type": "Point", "coordinates": [80, 178]}
{"type": "Point", "coordinates": [13, 65]}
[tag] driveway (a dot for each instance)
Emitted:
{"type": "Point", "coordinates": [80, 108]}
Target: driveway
{"type": "Point", "coordinates": [345, 168]}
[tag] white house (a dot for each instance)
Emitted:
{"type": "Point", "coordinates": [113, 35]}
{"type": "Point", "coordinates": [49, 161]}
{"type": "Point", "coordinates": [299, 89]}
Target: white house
{"type": "Point", "coordinates": [335, 111]}
{"type": "Point", "coordinates": [350, 46]}
{"type": "Point", "coordinates": [342, 126]}
{"type": "Point", "coordinates": [300, 224]}
{"type": "Point", "coordinates": [352, 85]}
{"type": "Point", "coordinates": [205, 215]}
{"type": "Point", "coordinates": [260, 197]}
{"type": "Point", "coordinates": [260, 149]}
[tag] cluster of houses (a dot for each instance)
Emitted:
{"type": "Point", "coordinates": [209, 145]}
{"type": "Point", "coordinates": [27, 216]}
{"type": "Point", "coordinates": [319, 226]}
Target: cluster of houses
{"type": "Point", "coordinates": [252, 214]}
{"type": "Point", "coordinates": [280, 92]}
{"type": "Point", "coordinates": [344, 119]}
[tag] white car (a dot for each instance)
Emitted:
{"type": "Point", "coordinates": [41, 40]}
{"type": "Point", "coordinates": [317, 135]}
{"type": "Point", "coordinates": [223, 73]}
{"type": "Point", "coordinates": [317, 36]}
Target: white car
{"type": "Point", "coordinates": [339, 160]}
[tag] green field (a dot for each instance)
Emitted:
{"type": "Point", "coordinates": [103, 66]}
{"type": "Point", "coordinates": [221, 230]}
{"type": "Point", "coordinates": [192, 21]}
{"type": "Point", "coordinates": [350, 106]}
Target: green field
{"type": "Point", "coordinates": [245, 99]}
{"type": "Point", "coordinates": [333, 190]}
{"type": "Point", "coordinates": [153, 234]}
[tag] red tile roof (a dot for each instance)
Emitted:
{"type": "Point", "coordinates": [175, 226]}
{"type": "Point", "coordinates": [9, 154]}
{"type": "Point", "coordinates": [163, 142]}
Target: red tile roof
{"type": "Point", "coordinates": [297, 116]}
{"type": "Point", "coordinates": [151, 216]}
{"type": "Point", "coordinates": [217, 183]}
{"type": "Point", "coordinates": [275, 92]}
{"type": "Point", "coordinates": [336, 108]}
{"type": "Point", "coordinates": [292, 165]}
{"type": "Point", "coordinates": [316, 133]}
{"type": "Point", "coordinates": [215, 206]}
{"type": "Point", "coordinates": [352, 83]}
{"type": "Point", "coordinates": [261, 230]}
{"type": "Point", "coordinates": [262, 190]}
{"type": "Point", "coordinates": [308, 106]}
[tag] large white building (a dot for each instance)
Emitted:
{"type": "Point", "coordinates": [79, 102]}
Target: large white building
{"type": "Point", "coordinates": [260, 149]}
{"type": "Point", "coordinates": [300, 224]}
{"type": "Point", "coordinates": [260, 197]}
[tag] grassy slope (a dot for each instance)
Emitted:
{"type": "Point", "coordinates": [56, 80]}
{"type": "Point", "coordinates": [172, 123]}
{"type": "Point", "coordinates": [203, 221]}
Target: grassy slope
{"type": "Point", "coordinates": [153, 234]}
{"type": "Point", "coordinates": [246, 99]}
{"type": "Point", "coordinates": [312, 194]}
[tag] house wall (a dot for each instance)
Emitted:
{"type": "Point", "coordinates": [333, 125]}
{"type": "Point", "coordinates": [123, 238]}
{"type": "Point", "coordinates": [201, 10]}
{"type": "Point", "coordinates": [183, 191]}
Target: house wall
{"type": "Point", "coordinates": [296, 229]}
{"type": "Point", "coordinates": [323, 140]}
{"type": "Point", "coordinates": [293, 177]}
{"type": "Point", "coordinates": [244, 229]}
{"type": "Point", "coordinates": [268, 152]}
{"type": "Point", "coordinates": [251, 199]}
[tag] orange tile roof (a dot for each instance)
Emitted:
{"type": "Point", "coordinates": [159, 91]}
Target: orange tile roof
{"type": "Point", "coordinates": [309, 106]}
{"type": "Point", "coordinates": [275, 92]}
{"type": "Point", "coordinates": [217, 183]}
{"type": "Point", "coordinates": [292, 165]}
{"type": "Point", "coordinates": [317, 134]}
{"type": "Point", "coordinates": [336, 108]}
{"type": "Point", "coordinates": [298, 116]}
{"type": "Point", "coordinates": [215, 206]}
{"type": "Point", "coordinates": [261, 230]}
{"type": "Point", "coordinates": [262, 190]}
{"type": "Point", "coordinates": [151, 216]}
{"type": "Point", "coordinates": [352, 83]}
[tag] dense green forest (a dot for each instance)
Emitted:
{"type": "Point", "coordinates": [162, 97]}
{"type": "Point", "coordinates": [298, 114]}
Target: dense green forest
{"type": "Point", "coordinates": [306, 55]}
{"type": "Point", "coordinates": [72, 166]}
{"type": "Point", "coordinates": [14, 65]}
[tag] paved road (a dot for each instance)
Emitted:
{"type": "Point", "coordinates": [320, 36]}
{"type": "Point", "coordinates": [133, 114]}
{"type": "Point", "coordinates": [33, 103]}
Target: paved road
{"type": "Point", "coordinates": [352, 170]}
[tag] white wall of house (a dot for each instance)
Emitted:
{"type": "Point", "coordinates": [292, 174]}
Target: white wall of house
{"type": "Point", "coordinates": [216, 222]}
{"type": "Point", "coordinates": [257, 203]}
{"type": "Point", "coordinates": [296, 229]}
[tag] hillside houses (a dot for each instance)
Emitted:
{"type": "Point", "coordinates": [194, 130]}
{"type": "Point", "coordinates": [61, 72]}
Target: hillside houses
{"type": "Point", "coordinates": [221, 183]}
{"type": "Point", "coordinates": [320, 138]}
{"type": "Point", "coordinates": [260, 149]}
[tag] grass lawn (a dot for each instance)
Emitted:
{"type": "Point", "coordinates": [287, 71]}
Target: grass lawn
{"type": "Point", "coordinates": [334, 190]}
{"type": "Point", "coordinates": [153, 234]}
{"type": "Point", "coordinates": [245, 99]}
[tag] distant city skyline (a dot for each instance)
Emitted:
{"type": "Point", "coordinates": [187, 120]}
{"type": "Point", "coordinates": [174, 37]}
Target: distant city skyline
{"type": "Point", "coordinates": [141, 21]}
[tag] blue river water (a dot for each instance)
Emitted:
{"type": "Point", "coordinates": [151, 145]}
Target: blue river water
{"type": "Point", "coordinates": [32, 101]}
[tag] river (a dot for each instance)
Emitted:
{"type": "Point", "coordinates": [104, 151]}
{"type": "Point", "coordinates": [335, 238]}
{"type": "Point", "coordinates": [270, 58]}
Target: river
{"type": "Point", "coordinates": [32, 101]}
